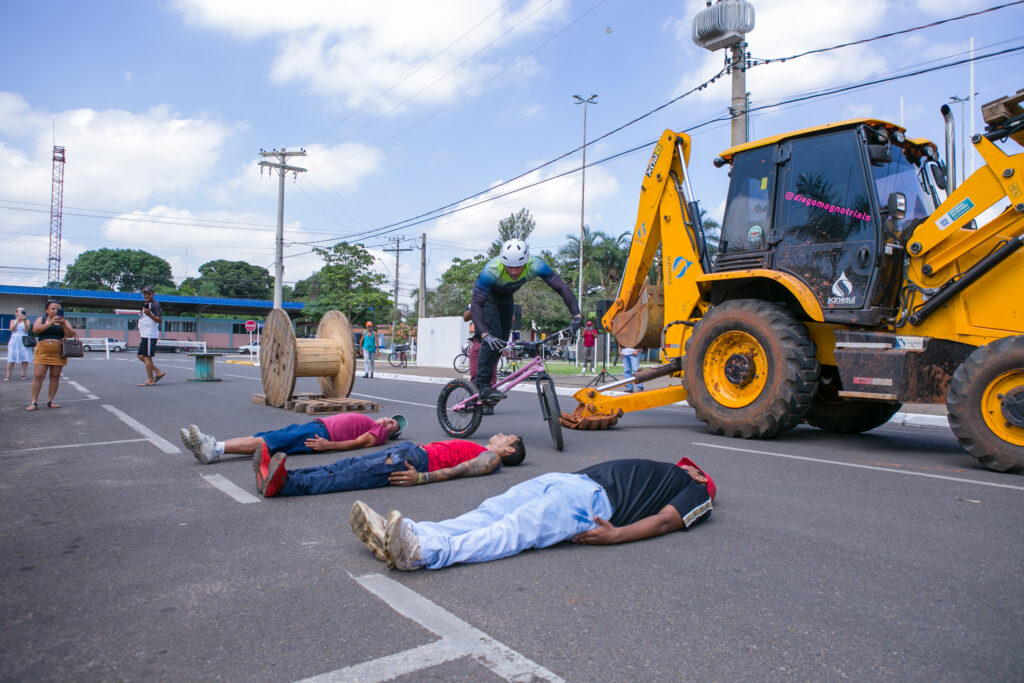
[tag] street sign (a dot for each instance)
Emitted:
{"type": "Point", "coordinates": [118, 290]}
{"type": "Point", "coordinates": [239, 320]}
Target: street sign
{"type": "Point", "coordinates": [250, 325]}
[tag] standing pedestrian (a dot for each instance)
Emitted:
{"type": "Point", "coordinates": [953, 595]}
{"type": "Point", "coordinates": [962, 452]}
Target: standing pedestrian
{"type": "Point", "coordinates": [17, 352]}
{"type": "Point", "coordinates": [50, 330]}
{"type": "Point", "coordinates": [630, 366]}
{"type": "Point", "coordinates": [369, 350]}
{"type": "Point", "coordinates": [589, 341]}
{"type": "Point", "coordinates": [149, 332]}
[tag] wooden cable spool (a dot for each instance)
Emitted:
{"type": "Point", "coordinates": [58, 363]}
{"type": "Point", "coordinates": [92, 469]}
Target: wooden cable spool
{"type": "Point", "coordinates": [330, 357]}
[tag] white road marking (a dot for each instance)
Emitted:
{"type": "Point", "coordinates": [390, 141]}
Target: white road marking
{"type": "Point", "coordinates": [228, 374]}
{"type": "Point", "coordinates": [458, 639]}
{"type": "Point", "coordinates": [82, 389]}
{"type": "Point", "coordinates": [863, 467]}
{"type": "Point", "coordinates": [394, 400]}
{"type": "Point", "coordinates": [151, 436]}
{"type": "Point", "coordinates": [225, 485]}
{"type": "Point", "coordinates": [72, 445]}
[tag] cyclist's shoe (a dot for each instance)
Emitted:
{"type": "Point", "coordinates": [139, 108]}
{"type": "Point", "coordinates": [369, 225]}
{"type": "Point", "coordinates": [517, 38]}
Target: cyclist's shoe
{"type": "Point", "coordinates": [491, 394]}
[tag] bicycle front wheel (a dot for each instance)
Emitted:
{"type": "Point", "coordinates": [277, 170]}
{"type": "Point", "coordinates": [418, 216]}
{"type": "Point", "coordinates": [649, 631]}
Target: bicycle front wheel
{"type": "Point", "coordinates": [550, 410]}
{"type": "Point", "coordinates": [458, 423]}
{"type": "Point", "coordinates": [461, 363]}
{"type": "Point", "coordinates": [395, 360]}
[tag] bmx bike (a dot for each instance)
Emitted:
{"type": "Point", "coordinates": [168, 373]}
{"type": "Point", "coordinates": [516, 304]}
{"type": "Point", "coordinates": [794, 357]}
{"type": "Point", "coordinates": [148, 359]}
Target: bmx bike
{"type": "Point", "coordinates": [398, 357]}
{"type": "Point", "coordinates": [460, 408]}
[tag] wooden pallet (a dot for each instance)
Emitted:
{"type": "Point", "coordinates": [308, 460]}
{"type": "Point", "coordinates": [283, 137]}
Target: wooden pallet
{"type": "Point", "coordinates": [318, 404]}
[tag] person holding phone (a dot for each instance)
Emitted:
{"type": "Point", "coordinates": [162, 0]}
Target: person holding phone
{"type": "Point", "coordinates": [50, 330]}
{"type": "Point", "coordinates": [149, 332]}
{"type": "Point", "coordinates": [17, 352]}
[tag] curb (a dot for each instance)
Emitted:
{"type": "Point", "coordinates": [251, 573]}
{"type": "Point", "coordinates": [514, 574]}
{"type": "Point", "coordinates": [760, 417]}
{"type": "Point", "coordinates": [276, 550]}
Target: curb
{"type": "Point", "coordinates": [899, 419]}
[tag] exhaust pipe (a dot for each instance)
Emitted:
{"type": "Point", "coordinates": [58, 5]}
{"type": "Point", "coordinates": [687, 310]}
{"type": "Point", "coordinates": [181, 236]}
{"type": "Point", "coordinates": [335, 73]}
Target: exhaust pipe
{"type": "Point", "coordinates": [947, 115]}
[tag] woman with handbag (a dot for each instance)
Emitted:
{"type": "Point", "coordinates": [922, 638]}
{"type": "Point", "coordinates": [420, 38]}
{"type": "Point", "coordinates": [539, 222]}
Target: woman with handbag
{"type": "Point", "coordinates": [17, 349]}
{"type": "Point", "coordinates": [50, 329]}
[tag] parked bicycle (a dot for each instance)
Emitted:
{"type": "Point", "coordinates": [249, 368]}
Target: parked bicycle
{"type": "Point", "coordinates": [461, 363]}
{"type": "Point", "coordinates": [398, 357]}
{"type": "Point", "coordinates": [460, 409]}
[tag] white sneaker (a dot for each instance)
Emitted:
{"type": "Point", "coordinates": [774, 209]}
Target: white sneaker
{"type": "Point", "coordinates": [401, 544]}
{"type": "Point", "coordinates": [203, 445]}
{"type": "Point", "coordinates": [369, 527]}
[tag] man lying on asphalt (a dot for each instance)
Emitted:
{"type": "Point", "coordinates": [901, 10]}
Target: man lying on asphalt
{"type": "Point", "coordinates": [612, 502]}
{"type": "Point", "coordinates": [341, 432]}
{"type": "Point", "coordinates": [404, 464]}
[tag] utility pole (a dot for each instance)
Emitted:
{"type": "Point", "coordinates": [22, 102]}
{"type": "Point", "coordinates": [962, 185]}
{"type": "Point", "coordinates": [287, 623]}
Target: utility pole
{"type": "Point", "coordinates": [422, 312]}
{"type": "Point", "coordinates": [583, 189]}
{"type": "Point", "coordinates": [724, 25]}
{"type": "Point", "coordinates": [282, 167]}
{"type": "Point", "coordinates": [398, 250]}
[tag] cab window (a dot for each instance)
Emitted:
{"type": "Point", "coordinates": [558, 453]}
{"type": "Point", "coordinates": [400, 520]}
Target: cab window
{"type": "Point", "coordinates": [749, 206]}
{"type": "Point", "coordinates": [824, 197]}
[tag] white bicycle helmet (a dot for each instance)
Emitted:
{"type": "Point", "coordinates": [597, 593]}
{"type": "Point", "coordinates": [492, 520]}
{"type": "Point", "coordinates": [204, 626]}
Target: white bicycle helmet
{"type": "Point", "coordinates": [515, 253]}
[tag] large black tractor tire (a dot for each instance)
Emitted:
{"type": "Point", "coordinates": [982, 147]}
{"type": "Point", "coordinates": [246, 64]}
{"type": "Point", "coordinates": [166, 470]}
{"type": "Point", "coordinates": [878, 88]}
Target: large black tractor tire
{"type": "Point", "coordinates": [986, 404]}
{"type": "Point", "coordinates": [750, 369]}
{"type": "Point", "coordinates": [832, 413]}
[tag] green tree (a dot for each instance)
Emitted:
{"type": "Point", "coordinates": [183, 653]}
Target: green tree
{"type": "Point", "coordinates": [348, 284]}
{"type": "Point", "coordinates": [119, 270]}
{"type": "Point", "coordinates": [232, 279]}
{"type": "Point", "coordinates": [517, 226]}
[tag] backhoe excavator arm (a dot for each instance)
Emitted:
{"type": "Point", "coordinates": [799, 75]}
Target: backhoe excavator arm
{"type": "Point", "coordinates": [667, 217]}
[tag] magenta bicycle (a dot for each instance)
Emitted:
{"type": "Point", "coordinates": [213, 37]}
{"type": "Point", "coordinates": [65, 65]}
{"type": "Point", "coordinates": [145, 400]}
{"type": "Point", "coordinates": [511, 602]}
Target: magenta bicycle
{"type": "Point", "coordinates": [460, 408]}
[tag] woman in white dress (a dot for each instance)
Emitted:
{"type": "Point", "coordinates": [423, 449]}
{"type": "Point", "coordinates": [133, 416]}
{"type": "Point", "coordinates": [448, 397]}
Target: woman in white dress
{"type": "Point", "coordinates": [17, 352]}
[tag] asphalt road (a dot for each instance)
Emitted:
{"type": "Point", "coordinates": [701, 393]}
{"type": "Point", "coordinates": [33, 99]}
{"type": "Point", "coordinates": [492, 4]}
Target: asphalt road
{"type": "Point", "coordinates": [888, 555]}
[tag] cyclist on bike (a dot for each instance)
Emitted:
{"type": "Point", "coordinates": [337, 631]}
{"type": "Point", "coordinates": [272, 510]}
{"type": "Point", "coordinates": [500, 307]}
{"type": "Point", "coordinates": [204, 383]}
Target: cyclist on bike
{"type": "Point", "coordinates": [491, 307]}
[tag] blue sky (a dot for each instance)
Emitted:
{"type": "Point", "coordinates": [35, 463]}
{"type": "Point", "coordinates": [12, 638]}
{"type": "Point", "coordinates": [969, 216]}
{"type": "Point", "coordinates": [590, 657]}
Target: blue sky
{"type": "Point", "coordinates": [405, 107]}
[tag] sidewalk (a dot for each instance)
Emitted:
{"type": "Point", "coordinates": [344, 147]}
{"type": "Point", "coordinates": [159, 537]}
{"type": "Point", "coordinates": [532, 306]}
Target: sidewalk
{"type": "Point", "coordinates": [912, 414]}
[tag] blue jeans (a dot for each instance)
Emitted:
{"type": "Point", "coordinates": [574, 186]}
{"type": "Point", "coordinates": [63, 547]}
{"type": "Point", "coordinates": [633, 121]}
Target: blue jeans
{"type": "Point", "coordinates": [630, 366]}
{"type": "Point", "coordinates": [368, 471]}
{"type": "Point", "coordinates": [538, 513]}
{"type": "Point", "coordinates": [292, 439]}
{"type": "Point", "coordinates": [368, 357]}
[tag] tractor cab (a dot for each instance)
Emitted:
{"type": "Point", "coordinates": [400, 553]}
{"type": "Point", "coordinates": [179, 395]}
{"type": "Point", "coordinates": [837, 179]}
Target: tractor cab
{"type": "Point", "coordinates": [832, 206]}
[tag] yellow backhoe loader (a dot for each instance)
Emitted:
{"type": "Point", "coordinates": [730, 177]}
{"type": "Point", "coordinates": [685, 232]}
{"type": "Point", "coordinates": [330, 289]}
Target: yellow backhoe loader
{"type": "Point", "coordinates": [850, 277]}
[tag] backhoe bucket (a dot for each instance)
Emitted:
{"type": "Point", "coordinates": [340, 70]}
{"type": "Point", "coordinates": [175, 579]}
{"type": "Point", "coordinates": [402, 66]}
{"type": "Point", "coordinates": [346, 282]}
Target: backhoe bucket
{"type": "Point", "coordinates": [640, 326]}
{"type": "Point", "coordinates": [579, 419]}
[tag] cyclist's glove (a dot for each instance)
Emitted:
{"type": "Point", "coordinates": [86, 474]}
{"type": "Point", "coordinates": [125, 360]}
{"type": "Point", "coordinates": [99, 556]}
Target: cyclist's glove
{"type": "Point", "coordinates": [574, 326]}
{"type": "Point", "coordinates": [493, 342]}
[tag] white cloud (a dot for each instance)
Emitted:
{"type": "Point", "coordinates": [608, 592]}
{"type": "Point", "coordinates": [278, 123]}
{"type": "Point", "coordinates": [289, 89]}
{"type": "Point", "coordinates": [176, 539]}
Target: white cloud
{"type": "Point", "coordinates": [113, 157]}
{"type": "Point", "coordinates": [360, 53]}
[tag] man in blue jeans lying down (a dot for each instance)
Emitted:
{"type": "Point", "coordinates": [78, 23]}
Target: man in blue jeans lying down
{"type": "Point", "coordinates": [404, 464]}
{"type": "Point", "coordinates": [612, 502]}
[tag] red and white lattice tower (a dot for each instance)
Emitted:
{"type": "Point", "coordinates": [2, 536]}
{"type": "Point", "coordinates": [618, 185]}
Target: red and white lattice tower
{"type": "Point", "coordinates": [56, 214]}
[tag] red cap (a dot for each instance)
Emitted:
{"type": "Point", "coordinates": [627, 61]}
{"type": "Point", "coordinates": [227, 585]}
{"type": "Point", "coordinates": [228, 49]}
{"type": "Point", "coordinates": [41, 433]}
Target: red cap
{"type": "Point", "coordinates": [369, 324]}
{"type": "Point", "coordinates": [710, 484]}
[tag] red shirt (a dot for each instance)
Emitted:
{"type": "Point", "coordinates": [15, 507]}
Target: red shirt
{"type": "Point", "coordinates": [588, 337]}
{"type": "Point", "coordinates": [442, 454]}
{"type": "Point", "coordinates": [348, 426]}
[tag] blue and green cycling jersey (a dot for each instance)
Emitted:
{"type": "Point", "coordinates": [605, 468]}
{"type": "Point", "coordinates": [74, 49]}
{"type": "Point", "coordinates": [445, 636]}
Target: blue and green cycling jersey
{"type": "Point", "coordinates": [495, 280]}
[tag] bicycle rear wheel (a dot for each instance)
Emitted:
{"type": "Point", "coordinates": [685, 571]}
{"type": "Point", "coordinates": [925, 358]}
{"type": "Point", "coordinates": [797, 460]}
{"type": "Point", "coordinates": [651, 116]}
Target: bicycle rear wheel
{"type": "Point", "coordinates": [461, 423]}
{"type": "Point", "coordinates": [550, 410]}
{"type": "Point", "coordinates": [395, 360]}
{"type": "Point", "coordinates": [461, 363]}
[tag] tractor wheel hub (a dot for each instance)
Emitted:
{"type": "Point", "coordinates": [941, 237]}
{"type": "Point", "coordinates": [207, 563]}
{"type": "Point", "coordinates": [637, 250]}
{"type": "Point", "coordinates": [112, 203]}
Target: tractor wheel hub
{"type": "Point", "coordinates": [1012, 406]}
{"type": "Point", "coordinates": [739, 369]}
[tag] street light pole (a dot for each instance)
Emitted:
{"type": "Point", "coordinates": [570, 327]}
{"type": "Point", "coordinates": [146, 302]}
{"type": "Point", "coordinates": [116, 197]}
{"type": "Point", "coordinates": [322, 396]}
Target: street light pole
{"type": "Point", "coordinates": [583, 188]}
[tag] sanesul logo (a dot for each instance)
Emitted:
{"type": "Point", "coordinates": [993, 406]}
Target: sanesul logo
{"type": "Point", "coordinates": [843, 290]}
{"type": "Point", "coordinates": [681, 265]}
